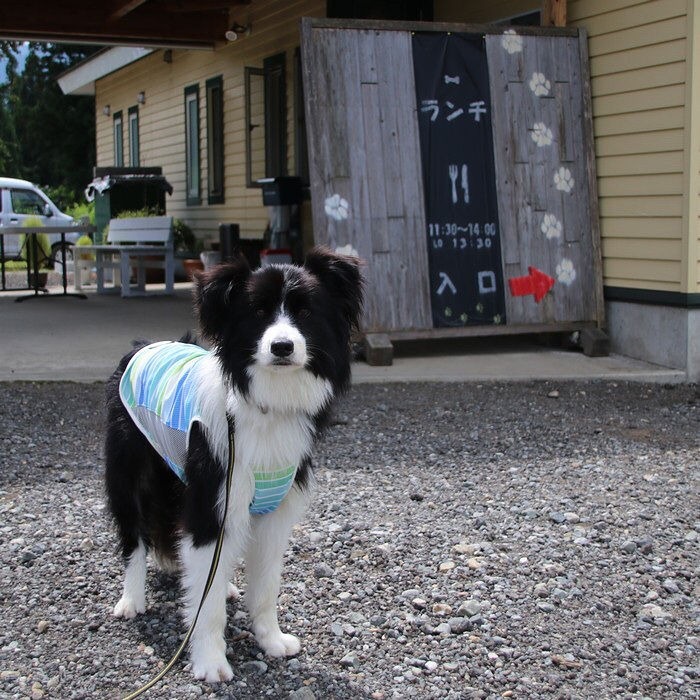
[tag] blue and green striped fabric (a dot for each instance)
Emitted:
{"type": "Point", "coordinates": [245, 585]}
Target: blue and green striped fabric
{"type": "Point", "coordinates": [159, 389]}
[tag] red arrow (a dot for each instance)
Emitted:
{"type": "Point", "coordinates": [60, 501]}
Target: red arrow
{"type": "Point", "coordinates": [536, 283]}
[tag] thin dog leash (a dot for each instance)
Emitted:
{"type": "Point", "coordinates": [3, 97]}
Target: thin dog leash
{"type": "Point", "coordinates": [212, 571]}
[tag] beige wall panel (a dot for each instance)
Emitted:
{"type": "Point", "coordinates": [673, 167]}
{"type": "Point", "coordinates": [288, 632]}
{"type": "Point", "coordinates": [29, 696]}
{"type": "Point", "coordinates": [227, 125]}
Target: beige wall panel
{"type": "Point", "coordinates": [643, 270]}
{"type": "Point", "coordinates": [657, 249]}
{"type": "Point", "coordinates": [647, 185]}
{"type": "Point", "coordinates": [645, 35]}
{"type": "Point", "coordinates": [639, 100]}
{"type": "Point", "coordinates": [670, 205]}
{"type": "Point", "coordinates": [657, 285]}
{"type": "Point", "coordinates": [651, 142]}
{"type": "Point", "coordinates": [578, 10]}
{"type": "Point", "coordinates": [645, 163]}
{"type": "Point", "coordinates": [643, 57]}
{"type": "Point", "coordinates": [640, 79]}
{"type": "Point", "coordinates": [637, 122]}
{"type": "Point", "coordinates": [639, 227]}
{"type": "Point", "coordinates": [648, 13]}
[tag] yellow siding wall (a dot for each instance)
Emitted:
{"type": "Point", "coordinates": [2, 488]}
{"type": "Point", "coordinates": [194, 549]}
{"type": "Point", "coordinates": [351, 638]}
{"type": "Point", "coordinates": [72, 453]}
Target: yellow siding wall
{"type": "Point", "coordinates": [275, 26]}
{"type": "Point", "coordinates": [638, 54]}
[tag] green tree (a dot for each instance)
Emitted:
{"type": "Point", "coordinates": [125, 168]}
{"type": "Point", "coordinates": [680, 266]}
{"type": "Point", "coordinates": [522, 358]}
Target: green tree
{"type": "Point", "coordinates": [47, 137]}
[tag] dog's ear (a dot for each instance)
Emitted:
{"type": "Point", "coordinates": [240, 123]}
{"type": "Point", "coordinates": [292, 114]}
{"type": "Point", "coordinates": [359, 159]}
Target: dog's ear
{"type": "Point", "coordinates": [214, 292]}
{"type": "Point", "coordinates": [340, 275]}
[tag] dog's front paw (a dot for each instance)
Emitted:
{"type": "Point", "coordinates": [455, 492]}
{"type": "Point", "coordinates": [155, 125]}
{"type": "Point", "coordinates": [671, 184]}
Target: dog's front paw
{"type": "Point", "coordinates": [129, 607]}
{"type": "Point", "coordinates": [213, 669]}
{"type": "Point", "coordinates": [279, 644]}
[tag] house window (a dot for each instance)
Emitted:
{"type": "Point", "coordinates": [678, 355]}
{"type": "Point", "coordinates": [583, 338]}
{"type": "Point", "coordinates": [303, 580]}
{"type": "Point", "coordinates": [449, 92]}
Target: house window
{"type": "Point", "coordinates": [192, 168]}
{"type": "Point", "coordinates": [118, 140]}
{"type": "Point", "coordinates": [301, 149]}
{"type": "Point", "coordinates": [215, 141]}
{"type": "Point", "coordinates": [134, 136]}
{"type": "Point", "coordinates": [266, 120]}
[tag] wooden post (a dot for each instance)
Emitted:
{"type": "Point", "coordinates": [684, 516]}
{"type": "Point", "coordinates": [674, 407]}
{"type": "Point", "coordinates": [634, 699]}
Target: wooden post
{"type": "Point", "coordinates": [553, 13]}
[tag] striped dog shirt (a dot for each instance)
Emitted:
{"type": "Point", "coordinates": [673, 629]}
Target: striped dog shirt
{"type": "Point", "coordinates": [161, 392]}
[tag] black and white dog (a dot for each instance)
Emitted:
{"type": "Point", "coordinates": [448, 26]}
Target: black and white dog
{"type": "Point", "coordinates": [280, 354]}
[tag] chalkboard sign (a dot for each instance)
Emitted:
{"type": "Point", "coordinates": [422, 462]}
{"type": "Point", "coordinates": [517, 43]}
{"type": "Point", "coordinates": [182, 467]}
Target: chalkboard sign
{"type": "Point", "coordinates": [454, 117]}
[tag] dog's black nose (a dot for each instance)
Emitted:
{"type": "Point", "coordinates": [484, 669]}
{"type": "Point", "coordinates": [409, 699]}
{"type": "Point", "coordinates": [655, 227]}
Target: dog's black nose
{"type": "Point", "coordinates": [282, 348]}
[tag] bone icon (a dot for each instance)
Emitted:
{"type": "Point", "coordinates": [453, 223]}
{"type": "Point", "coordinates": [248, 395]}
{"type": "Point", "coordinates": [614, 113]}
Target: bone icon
{"type": "Point", "coordinates": [452, 79]}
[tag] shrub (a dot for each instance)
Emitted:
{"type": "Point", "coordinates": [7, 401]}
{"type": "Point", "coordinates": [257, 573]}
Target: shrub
{"type": "Point", "coordinates": [81, 210]}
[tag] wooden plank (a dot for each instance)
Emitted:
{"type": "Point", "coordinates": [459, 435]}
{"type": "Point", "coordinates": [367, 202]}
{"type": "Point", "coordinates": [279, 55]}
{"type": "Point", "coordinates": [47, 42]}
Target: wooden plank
{"type": "Point", "coordinates": [391, 146]}
{"type": "Point", "coordinates": [375, 118]}
{"type": "Point", "coordinates": [367, 57]}
{"type": "Point", "coordinates": [591, 175]}
{"type": "Point", "coordinates": [505, 151]}
{"type": "Point", "coordinates": [374, 162]}
{"type": "Point", "coordinates": [492, 330]}
{"type": "Point", "coordinates": [400, 49]}
{"type": "Point", "coordinates": [313, 118]}
{"type": "Point", "coordinates": [553, 13]}
{"type": "Point", "coordinates": [399, 26]}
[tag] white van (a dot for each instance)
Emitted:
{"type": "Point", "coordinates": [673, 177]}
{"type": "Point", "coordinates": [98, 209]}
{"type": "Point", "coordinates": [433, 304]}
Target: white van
{"type": "Point", "coordinates": [19, 200]}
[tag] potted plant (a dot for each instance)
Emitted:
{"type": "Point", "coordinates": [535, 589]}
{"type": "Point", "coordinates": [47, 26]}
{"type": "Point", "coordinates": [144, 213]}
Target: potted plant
{"type": "Point", "coordinates": [187, 249]}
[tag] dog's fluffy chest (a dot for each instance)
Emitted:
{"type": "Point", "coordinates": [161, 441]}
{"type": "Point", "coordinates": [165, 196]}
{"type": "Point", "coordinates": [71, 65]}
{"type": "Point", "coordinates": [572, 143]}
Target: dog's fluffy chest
{"type": "Point", "coordinates": [267, 441]}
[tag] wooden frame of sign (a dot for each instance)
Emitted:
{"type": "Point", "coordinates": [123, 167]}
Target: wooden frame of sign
{"type": "Point", "coordinates": [367, 183]}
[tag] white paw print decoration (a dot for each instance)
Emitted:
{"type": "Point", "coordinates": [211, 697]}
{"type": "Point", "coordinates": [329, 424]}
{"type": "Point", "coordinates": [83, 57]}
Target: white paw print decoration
{"type": "Point", "coordinates": [346, 249]}
{"type": "Point", "coordinates": [551, 226]}
{"type": "Point", "coordinates": [511, 41]}
{"type": "Point", "coordinates": [566, 272]}
{"type": "Point", "coordinates": [563, 180]}
{"type": "Point", "coordinates": [539, 84]}
{"type": "Point", "coordinates": [541, 134]}
{"type": "Point", "coordinates": [336, 207]}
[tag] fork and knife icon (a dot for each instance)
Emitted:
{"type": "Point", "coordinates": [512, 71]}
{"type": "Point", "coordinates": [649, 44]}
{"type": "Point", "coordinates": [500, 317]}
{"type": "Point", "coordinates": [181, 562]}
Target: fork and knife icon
{"type": "Point", "coordinates": [453, 172]}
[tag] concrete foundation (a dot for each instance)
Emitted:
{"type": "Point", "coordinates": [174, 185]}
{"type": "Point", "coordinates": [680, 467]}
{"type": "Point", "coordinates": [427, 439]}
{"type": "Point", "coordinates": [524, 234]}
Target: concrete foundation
{"type": "Point", "coordinates": [664, 335]}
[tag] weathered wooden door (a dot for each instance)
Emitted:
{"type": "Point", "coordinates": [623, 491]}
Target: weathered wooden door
{"type": "Point", "coordinates": [365, 167]}
{"type": "Point", "coordinates": [544, 175]}
{"type": "Point", "coordinates": [367, 185]}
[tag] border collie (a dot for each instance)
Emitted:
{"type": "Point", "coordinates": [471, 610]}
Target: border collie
{"type": "Point", "coordinates": [280, 354]}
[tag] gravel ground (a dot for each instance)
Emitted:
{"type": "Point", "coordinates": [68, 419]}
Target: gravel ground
{"type": "Point", "coordinates": [496, 540]}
